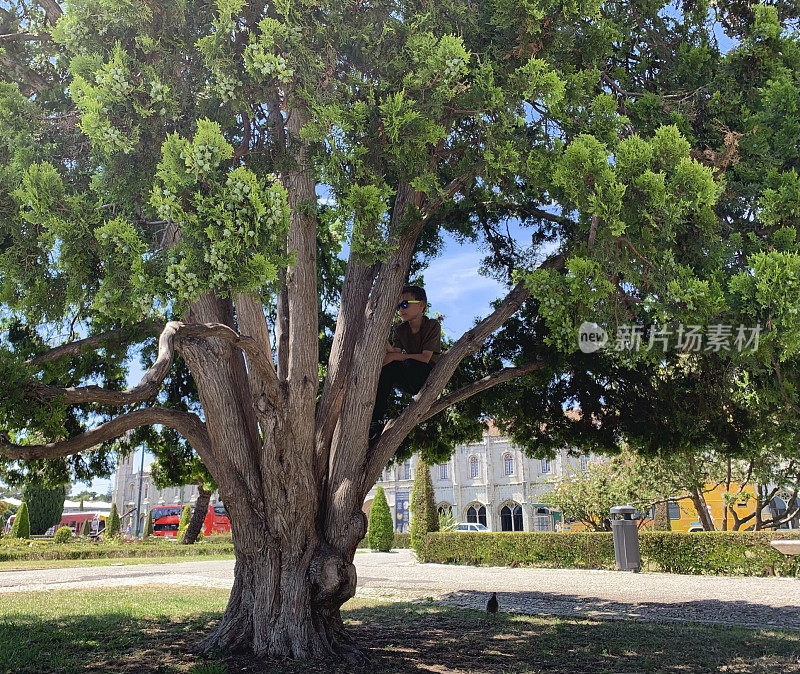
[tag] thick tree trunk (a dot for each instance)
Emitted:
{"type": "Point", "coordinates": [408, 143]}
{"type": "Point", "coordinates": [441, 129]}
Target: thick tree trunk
{"type": "Point", "coordinates": [286, 594]}
{"type": "Point", "coordinates": [198, 516]}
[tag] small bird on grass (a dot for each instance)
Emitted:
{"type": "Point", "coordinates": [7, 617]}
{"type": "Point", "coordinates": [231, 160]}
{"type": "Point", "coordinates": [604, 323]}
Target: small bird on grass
{"type": "Point", "coordinates": [492, 606]}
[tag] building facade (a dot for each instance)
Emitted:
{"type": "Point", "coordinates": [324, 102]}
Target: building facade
{"type": "Point", "coordinates": [126, 494]}
{"type": "Point", "coordinates": [491, 482]}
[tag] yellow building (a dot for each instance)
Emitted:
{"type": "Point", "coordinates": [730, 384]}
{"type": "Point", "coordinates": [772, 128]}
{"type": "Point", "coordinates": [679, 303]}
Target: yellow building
{"type": "Point", "coordinates": [683, 516]}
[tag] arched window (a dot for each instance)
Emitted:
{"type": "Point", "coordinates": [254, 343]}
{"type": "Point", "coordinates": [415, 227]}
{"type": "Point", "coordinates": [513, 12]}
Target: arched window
{"type": "Point", "coordinates": [445, 509]}
{"type": "Point", "coordinates": [476, 513]}
{"type": "Point", "coordinates": [508, 464]}
{"type": "Point", "coordinates": [473, 466]}
{"type": "Point", "coordinates": [511, 517]}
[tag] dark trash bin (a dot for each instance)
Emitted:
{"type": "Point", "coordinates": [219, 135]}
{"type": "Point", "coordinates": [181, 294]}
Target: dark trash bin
{"type": "Point", "coordinates": [625, 533]}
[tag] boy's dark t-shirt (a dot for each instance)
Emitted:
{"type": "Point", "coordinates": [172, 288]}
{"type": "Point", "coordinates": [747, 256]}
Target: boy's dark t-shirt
{"type": "Point", "coordinates": [429, 338]}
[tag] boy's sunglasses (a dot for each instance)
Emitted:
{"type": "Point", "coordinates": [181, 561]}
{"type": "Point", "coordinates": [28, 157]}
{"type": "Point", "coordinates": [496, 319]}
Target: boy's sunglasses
{"type": "Point", "coordinates": [404, 304]}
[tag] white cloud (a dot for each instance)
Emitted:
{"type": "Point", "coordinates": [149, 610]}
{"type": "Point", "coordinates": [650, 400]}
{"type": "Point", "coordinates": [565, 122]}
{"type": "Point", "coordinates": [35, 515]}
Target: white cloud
{"type": "Point", "coordinates": [457, 290]}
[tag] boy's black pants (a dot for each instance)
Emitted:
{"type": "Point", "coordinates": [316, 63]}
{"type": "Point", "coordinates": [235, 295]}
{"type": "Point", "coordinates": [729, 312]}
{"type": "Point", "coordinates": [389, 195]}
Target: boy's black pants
{"type": "Point", "coordinates": [407, 375]}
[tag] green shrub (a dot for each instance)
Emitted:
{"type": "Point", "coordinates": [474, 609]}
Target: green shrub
{"type": "Point", "coordinates": [113, 523]}
{"type": "Point", "coordinates": [716, 552]}
{"type": "Point", "coordinates": [62, 535]}
{"type": "Point", "coordinates": [77, 548]}
{"type": "Point", "coordinates": [401, 540]}
{"type": "Point", "coordinates": [744, 553]}
{"type": "Point", "coordinates": [86, 528]}
{"type": "Point", "coordinates": [183, 523]}
{"type": "Point", "coordinates": [380, 533]}
{"type": "Point", "coordinates": [45, 506]}
{"type": "Point", "coordinates": [424, 516]}
{"type": "Point", "coordinates": [22, 524]}
{"type": "Point", "coordinates": [588, 550]}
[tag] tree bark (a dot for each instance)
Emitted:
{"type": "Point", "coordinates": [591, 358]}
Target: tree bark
{"type": "Point", "coordinates": [198, 516]}
{"type": "Point", "coordinates": [699, 502]}
{"type": "Point", "coordinates": [287, 591]}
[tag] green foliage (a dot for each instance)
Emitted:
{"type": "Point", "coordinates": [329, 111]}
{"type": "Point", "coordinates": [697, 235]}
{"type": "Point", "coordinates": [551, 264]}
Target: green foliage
{"type": "Point", "coordinates": [45, 506]}
{"type": "Point", "coordinates": [86, 528]}
{"type": "Point", "coordinates": [113, 523]}
{"type": "Point", "coordinates": [22, 524]}
{"type": "Point", "coordinates": [661, 521]}
{"type": "Point", "coordinates": [730, 553]}
{"type": "Point", "coordinates": [587, 496]}
{"type": "Point", "coordinates": [183, 523]}
{"type": "Point", "coordinates": [380, 530]}
{"type": "Point", "coordinates": [447, 521]}
{"type": "Point", "coordinates": [62, 535]}
{"type": "Point", "coordinates": [745, 553]}
{"type": "Point", "coordinates": [424, 516]}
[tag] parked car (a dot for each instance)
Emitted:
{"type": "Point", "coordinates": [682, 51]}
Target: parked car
{"type": "Point", "coordinates": [470, 526]}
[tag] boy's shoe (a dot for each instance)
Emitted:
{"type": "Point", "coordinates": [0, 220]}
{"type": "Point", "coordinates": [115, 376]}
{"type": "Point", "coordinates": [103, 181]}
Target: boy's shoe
{"type": "Point", "coordinates": [375, 430]}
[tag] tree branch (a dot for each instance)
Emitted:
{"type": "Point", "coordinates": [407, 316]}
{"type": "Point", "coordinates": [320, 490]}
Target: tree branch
{"type": "Point", "coordinates": [74, 348]}
{"type": "Point", "coordinates": [29, 80]}
{"type": "Point", "coordinates": [301, 278]}
{"type": "Point", "coordinates": [489, 381]}
{"type": "Point", "coordinates": [187, 424]}
{"type": "Point", "coordinates": [149, 385]}
{"type": "Point", "coordinates": [252, 323]}
{"type": "Point", "coordinates": [52, 10]}
{"type": "Point", "coordinates": [24, 37]}
{"type": "Point", "coordinates": [449, 192]}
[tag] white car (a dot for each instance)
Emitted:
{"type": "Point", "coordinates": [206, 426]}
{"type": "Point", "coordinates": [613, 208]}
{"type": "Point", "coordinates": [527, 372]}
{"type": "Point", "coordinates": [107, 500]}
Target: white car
{"type": "Point", "coordinates": [470, 526]}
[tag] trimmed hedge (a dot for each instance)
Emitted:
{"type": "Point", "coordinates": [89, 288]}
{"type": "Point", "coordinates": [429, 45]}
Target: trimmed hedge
{"type": "Point", "coordinates": [746, 553]}
{"type": "Point", "coordinates": [556, 550]}
{"type": "Point", "coordinates": [740, 553]}
{"type": "Point", "coordinates": [24, 550]}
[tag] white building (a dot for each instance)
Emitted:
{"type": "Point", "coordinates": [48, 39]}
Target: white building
{"type": "Point", "coordinates": [491, 482]}
{"type": "Point", "coordinates": [126, 493]}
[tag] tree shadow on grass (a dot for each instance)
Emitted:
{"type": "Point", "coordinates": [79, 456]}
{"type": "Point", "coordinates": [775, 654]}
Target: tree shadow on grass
{"type": "Point", "coordinates": [706, 611]}
{"type": "Point", "coordinates": [404, 637]}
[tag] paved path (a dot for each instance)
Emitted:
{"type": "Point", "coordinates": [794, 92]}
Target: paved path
{"type": "Point", "coordinates": [752, 602]}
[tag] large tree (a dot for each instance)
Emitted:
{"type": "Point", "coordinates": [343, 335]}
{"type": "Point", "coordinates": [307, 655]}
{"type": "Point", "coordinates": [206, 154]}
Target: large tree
{"type": "Point", "coordinates": [161, 168]}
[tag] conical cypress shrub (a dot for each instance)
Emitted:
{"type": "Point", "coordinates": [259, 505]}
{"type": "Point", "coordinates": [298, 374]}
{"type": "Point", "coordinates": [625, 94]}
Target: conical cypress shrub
{"type": "Point", "coordinates": [661, 519]}
{"type": "Point", "coordinates": [424, 516]}
{"type": "Point", "coordinates": [380, 533]}
{"type": "Point", "coordinates": [45, 505]}
{"type": "Point", "coordinates": [86, 528]}
{"type": "Point", "coordinates": [186, 517]}
{"type": "Point", "coordinates": [22, 523]}
{"type": "Point", "coordinates": [113, 524]}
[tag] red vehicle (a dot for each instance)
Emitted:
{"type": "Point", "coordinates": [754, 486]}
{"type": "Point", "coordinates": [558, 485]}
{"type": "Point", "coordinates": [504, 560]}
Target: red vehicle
{"type": "Point", "coordinates": [166, 519]}
{"type": "Point", "coordinates": [75, 522]}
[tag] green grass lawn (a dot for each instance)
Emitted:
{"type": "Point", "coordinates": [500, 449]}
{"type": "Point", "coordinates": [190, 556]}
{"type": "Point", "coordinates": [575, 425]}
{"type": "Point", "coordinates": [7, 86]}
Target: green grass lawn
{"type": "Point", "coordinates": [30, 565]}
{"type": "Point", "coordinates": [149, 629]}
